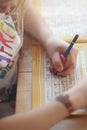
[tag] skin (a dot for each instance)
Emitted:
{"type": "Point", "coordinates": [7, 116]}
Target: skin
{"type": "Point", "coordinates": [7, 5]}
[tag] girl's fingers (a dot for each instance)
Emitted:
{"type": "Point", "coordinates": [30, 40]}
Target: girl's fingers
{"type": "Point", "coordinates": [58, 65]}
{"type": "Point", "coordinates": [66, 71]}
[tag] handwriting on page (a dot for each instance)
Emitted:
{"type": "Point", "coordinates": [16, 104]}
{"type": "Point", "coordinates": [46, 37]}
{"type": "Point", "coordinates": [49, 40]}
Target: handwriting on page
{"type": "Point", "coordinates": [55, 85]}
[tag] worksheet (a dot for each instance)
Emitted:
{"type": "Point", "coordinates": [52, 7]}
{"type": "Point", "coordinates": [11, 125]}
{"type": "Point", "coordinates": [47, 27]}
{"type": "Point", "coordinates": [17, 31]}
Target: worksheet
{"type": "Point", "coordinates": [46, 85]}
{"type": "Point", "coordinates": [55, 85]}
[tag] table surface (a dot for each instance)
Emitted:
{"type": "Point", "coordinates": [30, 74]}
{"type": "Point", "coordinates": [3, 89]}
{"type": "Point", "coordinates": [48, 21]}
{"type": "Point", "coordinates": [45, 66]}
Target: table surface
{"type": "Point", "coordinates": [24, 91]}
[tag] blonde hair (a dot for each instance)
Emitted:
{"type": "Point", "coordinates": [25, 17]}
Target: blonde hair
{"type": "Point", "coordinates": [19, 12]}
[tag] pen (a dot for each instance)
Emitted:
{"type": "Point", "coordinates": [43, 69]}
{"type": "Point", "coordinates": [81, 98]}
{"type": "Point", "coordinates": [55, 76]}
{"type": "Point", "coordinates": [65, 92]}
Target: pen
{"type": "Point", "coordinates": [65, 54]}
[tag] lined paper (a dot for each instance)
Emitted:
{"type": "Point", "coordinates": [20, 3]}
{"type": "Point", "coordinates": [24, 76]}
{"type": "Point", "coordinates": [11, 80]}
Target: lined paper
{"type": "Point", "coordinates": [46, 86]}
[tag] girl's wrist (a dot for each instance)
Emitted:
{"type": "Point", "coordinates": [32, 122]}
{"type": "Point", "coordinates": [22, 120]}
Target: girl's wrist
{"type": "Point", "coordinates": [75, 98]}
{"type": "Point", "coordinates": [47, 40]}
{"type": "Point", "coordinates": [64, 99]}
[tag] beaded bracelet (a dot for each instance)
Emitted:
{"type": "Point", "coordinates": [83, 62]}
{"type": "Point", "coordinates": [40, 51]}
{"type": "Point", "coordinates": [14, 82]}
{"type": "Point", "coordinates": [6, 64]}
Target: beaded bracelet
{"type": "Point", "coordinates": [65, 100]}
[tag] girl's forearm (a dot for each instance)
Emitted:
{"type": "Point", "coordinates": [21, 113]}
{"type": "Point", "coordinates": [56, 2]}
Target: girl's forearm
{"type": "Point", "coordinates": [35, 25]}
{"type": "Point", "coordinates": [39, 119]}
{"type": "Point", "coordinates": [42, 118]}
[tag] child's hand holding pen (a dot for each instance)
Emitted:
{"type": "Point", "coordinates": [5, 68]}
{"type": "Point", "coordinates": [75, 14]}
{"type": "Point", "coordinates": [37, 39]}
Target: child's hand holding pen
{"type": "Point", "coordinates": [63, 59]}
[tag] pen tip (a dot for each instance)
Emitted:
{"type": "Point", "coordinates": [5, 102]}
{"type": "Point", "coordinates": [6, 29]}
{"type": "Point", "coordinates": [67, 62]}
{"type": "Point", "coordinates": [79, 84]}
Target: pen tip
{"type": "Point", "coordinates": [75, 38]}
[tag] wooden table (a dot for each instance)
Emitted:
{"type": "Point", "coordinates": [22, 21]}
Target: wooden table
{"type": "Point", "coordinates": [23, 99]}
{"type": "Point", "coordinates": [24, 91]}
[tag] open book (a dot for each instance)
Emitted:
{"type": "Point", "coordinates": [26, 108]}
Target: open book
{"type": "Point", "coordinates": [47, 86]}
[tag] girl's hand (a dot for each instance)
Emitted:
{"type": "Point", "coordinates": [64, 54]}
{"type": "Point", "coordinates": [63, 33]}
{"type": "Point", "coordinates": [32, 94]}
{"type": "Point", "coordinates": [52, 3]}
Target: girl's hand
{"type": "Point", "coordinates": [78, 94]}
{"type": "Point", "coordinates": [55, 47]}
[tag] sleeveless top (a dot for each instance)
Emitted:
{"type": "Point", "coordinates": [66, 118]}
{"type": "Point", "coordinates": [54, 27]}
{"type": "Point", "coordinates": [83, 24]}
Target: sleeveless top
{"type": "Point", "coordinates": [10, 45]}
